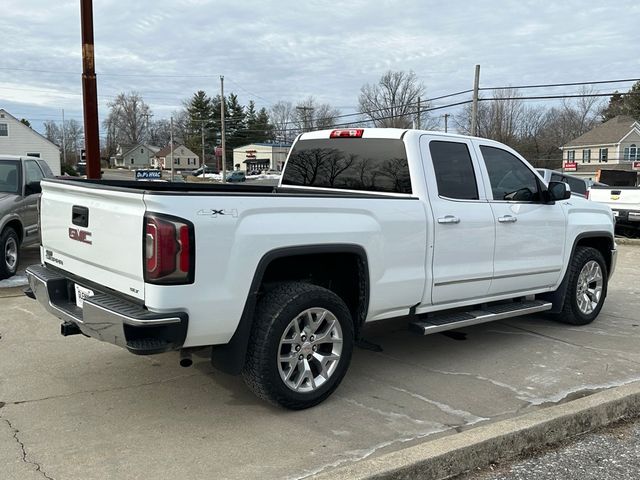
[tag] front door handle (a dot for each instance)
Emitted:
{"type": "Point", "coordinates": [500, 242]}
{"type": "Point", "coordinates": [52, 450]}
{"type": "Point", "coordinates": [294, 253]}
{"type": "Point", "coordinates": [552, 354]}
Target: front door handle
{"type": "Point", "coordinates": [449, 219]}
{"type": "Point", "coordinates": [508, 219]}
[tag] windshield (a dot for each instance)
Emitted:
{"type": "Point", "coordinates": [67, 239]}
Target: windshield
{"type": "Point", "coordinates": [373, 164]}
{"type": "Point", "coordinates": [8, 176]}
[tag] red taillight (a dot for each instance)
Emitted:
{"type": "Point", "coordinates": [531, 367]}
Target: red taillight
{"type": "Point", "coordinates": [168, 250]}
{"type": "Point", "coordinates": [347, 133]}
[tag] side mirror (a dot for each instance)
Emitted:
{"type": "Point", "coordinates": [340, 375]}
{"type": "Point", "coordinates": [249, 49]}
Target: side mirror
{"type": "Point", "coordinates": [31, 188]}
{"type": "Point", "coordinates": [559, 191]}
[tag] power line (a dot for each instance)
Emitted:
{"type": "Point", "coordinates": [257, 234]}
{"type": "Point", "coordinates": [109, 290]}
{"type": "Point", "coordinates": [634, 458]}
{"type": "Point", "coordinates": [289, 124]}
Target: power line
{"type": "Point", "coordinates": [571, 84]}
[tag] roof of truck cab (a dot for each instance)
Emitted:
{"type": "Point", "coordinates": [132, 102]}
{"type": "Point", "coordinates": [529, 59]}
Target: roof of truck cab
{"type": "Point", "coordinates": [392, 133]}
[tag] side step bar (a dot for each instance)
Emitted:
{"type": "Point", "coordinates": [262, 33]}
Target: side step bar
{"type": "Point", "coordinates": [449, 321]}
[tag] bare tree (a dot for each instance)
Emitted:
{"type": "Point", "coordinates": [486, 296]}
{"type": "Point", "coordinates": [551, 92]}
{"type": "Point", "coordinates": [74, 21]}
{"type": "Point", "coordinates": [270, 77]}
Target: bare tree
{"type": "Point", "coordinates": [73, 136]}
{"type": "Point", "coordinates": [160, 132]}
{"type": "Point", "coordinates": [126, 122]}
{"type": "Point", "coordinates": [309, 114]}
{"type": "Point", "coordinates": [393, 101]}
{"type": "Point", "coordinates": [281, 116]}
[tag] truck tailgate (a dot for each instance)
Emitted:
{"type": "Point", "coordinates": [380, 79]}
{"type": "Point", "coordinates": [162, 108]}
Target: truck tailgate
{"type": "Point", "coordinates": [94, 233]}
{"type": "Point", "coordinates": [618, 198]}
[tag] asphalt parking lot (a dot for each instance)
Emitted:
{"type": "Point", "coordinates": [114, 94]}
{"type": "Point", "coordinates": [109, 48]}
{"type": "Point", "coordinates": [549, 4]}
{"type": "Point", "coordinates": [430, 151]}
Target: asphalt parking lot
{"type": "Point", "coordinates": [77, 408]}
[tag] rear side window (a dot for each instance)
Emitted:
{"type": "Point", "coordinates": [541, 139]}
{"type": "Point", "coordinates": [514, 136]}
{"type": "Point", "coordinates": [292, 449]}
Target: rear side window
{"type": "Point", "coordinates": [577, 185]}
{"type": "Point", "coordinates": [454, 170]}
{"type": "Point", "coordinates": [372, 164]}
{"type": "Point", "coordinates": [45, 168]}
{"type": "Point", "coordinates": [510, 179]}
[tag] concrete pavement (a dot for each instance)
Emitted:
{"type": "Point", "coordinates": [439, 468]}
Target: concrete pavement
{"type": "Point", "coordinates": [77, 408]}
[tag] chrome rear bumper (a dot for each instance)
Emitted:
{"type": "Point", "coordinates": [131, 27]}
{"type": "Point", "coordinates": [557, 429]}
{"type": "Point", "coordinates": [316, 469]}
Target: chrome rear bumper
{"type": "Point", "coordinates": [107, 317]}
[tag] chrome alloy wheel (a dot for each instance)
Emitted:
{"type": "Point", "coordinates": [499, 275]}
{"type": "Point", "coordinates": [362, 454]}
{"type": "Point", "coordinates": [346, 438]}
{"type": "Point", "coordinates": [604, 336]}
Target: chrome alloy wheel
{"type": "Point", "coordinates": [589, 288]}
{"type": "Point", "coordinates": [11, 253]}
{"type": "Point", "coordinates": [310, 349]}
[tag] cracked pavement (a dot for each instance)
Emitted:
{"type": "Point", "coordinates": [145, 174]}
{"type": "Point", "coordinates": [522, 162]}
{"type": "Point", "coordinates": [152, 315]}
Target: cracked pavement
{"type": "Point", "coordinates": [77, 408]}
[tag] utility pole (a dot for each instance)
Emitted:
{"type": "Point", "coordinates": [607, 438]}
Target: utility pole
{"type": "Point", "coordinates": [171, 143]}
{"type": "Point", "coordinates": [222, 109]}
{"type": "Point", "coordinates": [203, 164]}
{"type": "Point", "coordinates": [446, 117]}
{"type": "Point", "coordinates": [305, 117]}
{"type": "Point", "coordinates": [89, 91]}
{"type": "Point", "coordinates": [474, 107]}
{"type": "Point", "coordinates": [419, 113]}
{"type": "Point", "coordinates": [64, 145]}
{"type": "Point", "coordinates": [147, 115]}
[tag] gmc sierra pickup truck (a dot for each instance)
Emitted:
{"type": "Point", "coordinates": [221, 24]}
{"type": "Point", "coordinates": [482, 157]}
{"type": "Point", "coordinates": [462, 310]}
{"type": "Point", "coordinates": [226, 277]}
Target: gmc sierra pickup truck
{"type": "Point", "coordinates": [440, 231]}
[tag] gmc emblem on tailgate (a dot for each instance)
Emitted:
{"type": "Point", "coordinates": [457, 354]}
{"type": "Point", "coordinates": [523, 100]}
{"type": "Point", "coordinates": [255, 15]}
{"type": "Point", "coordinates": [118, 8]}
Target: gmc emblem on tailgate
{"type": "Point", "coordinates": [80, 235]}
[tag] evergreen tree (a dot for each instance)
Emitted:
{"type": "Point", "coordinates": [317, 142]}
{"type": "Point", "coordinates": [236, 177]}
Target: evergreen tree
{"type": "Point", "coordinates": [623, 104]}
{"type": "Point", "coordinates": [201, 115]}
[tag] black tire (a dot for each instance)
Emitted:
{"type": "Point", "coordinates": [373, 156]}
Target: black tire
{"type": "Point", "coordinates": [571, 312]}
{"type": "Point", "coordinates": [274, 314]}
{"type": "Point", "coordinates": [9, 239]}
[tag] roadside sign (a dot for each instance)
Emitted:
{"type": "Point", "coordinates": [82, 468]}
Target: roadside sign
{"type": "Point", "coordinates": [636, 165]}
{"type": "Point", "coordinates": [570, 166]}
{"type": "Point", "coordinates": [148, 175]}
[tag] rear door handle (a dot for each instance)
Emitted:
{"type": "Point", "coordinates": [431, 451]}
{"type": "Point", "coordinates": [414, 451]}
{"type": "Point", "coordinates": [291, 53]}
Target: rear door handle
{"type": "Point", "coordinates": [508, 219]}
{"type": "Point", "coordinates": [449, 219]}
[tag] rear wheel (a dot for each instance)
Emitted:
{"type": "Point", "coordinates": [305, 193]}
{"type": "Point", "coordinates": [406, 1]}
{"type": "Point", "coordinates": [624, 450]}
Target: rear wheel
{"type": "Point", "coordinates": [10, 246]}
{"type": "Point", "coordinates": [586, 289]}
{"type": "Point", "coordinates": [300, 345]}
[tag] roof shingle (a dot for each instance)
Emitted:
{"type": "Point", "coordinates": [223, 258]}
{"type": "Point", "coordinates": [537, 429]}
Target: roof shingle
{"type": "Point", "coordinates": [611, 131]}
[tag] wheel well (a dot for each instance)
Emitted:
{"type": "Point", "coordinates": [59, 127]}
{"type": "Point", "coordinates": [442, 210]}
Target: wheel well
{"type": "Point", "coordinates": [17, 227]}
{"type": "Point", "coordinates": [344, 273]}
{"type": "Point", "coordinates": [343, 269]}
{"type": "Point", "coordinates": [603, 244]}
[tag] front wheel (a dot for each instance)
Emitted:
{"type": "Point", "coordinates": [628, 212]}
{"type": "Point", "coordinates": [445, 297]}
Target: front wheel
{"type": "Point", "coordinates": [586, 288]}
{"type": "Point", "coordinates": [300, 346]}
{"type": "Point", "coordinates": [10, 245]}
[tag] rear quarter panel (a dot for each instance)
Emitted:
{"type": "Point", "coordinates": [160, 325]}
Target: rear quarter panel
{"type": "Point", "coordinates": [229, 248]}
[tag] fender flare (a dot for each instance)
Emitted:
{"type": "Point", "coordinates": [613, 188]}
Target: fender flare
{"type": "Point", "coordinates": [557, 296]}
{"type": "Point", "coordinates": [229, 358]}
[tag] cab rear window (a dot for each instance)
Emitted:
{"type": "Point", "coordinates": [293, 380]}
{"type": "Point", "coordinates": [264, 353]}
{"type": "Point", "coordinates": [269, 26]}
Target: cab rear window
{"type": "Point", "coordinates": [369, 164]}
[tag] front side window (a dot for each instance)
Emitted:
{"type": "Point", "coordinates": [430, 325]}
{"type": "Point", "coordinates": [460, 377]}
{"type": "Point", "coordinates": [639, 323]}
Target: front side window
{"type": "Point", "coordinates": [8, 176]}
{"type": "Point", "coordinates": [511, 180]}
{"type": "Point", "coordinates": [370, 164]}
{"type": "Point", "coordinates": [454, 170]}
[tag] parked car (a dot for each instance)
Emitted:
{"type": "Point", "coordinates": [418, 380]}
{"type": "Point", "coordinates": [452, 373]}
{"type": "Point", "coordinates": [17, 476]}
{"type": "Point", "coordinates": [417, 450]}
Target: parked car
{"type": "Point", "coordinates": [444, 230]}
{"type": "Point", "coordinates": [579, 186]}
{"type": "Point", "coordinates": [236, 176]}
{"type": "Point", "coordinates": [19, 191]}
{"type": "Point", "coordinates": [198, 171]}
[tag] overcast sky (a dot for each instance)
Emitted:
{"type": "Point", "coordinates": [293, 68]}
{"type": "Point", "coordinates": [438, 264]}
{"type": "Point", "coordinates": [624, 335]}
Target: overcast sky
{"type": "Point", "coordinates": [285, 50]}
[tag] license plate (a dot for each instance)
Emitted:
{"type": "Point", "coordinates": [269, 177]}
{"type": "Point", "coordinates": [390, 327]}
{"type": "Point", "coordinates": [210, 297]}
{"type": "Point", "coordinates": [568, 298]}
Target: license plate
{"type": "Point", "coordinates": [81, 294]}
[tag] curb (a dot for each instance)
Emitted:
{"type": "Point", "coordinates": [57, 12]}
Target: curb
{"type": "Point", "coordinates": [459, 453]}
{"type": "Point", "coordinates": [627, 241]}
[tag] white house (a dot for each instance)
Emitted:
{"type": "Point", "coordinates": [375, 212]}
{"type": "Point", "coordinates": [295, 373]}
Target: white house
{"type": "Point", "coordinates": [137, 156]}
{"type": "Point", "coordinates": [183, 158]}
{"type": "Point", "coordinates": [18, 139]}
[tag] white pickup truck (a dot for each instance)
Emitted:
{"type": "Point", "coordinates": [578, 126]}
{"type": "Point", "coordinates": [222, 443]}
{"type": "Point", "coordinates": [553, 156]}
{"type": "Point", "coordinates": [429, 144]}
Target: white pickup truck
{"type": "Point", "coordinates": [625, 203]}
{"type": "Point", "coordinates": [440, 231]}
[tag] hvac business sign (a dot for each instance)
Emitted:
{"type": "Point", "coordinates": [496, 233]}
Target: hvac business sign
{"type": "Point", "coordinates": [148, 175]}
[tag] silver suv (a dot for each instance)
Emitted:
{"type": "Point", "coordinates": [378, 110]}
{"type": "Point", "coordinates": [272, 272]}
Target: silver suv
{"type": "Point", "coordinates": [19, 191]}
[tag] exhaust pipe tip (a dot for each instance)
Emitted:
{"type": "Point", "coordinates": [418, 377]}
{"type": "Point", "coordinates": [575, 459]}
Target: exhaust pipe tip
{"type": "Point", "coordinates": [185, 358]}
